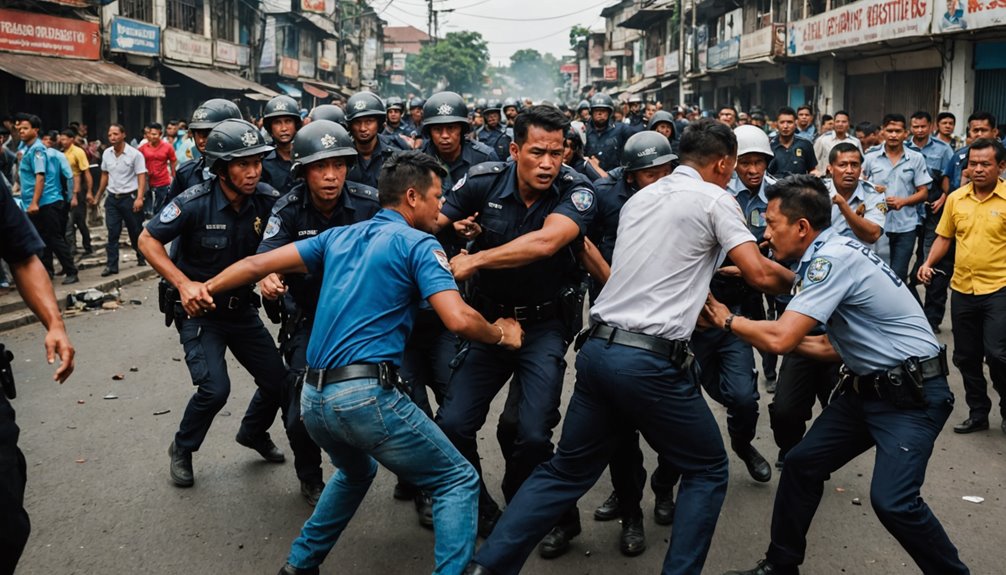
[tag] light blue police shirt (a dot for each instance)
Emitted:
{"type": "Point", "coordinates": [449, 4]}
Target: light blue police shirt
{"type": "Point", "coordinates": [939, 158]}
{"type": "Point", "coordinates": [873, 322]}
{"type": "Point", "coordinates": [376, 273]}
{"type": "Point", "coordinates": [901, 180]}
{"type": "Point", "coordinates": [37, 159]}
{"type": "Point", "coordinates": [752, 205]}
{"type": "Point", "coordinates": [875, 206]}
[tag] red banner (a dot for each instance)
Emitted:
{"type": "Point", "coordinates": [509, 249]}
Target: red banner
{"type": "Point", "coordinates": [49, 35]}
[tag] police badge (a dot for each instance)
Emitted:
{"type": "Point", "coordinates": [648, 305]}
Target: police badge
{"type": "Point", "coordinates": [818, 270]}
{"type": "Point", "coordinates": [582, 199]}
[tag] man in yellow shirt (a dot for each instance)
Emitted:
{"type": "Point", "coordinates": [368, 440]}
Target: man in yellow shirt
{"type": "Point", "coordinates": [975, 216]}
{"type": "Point", "coordinates": [82, 184]}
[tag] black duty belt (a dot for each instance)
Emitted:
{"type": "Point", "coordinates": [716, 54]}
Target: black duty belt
{"type": "Point", "coordinates": [930, 368]}
{"type": "Point", "coordinates": [235, 300]}
{"type": "Point", "coordinates": [384, 372]}
{"type": "Point", "coordinates": [676, 351]}
{"type": "Point", "coordinates": [535, 312]}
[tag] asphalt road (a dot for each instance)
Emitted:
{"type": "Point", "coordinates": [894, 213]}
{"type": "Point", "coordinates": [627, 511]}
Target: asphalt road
{"type": "Point", "coordinates": [101, 501]}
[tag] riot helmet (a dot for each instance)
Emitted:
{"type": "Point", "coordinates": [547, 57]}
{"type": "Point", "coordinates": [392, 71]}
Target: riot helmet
{"type": "Point", "coordinates": [319, 140]}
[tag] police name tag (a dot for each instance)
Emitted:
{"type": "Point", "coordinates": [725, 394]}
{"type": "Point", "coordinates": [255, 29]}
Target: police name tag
{"type": "Point", "coordinates": [582, 199]}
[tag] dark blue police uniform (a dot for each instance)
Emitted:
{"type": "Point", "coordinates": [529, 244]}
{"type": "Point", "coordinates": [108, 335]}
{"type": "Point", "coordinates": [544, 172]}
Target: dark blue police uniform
{"type": "Point", "coordinates": [366, 171]}
{"type": "Point", "coordinates": [606, 143]}
{"type": "Point", "coordinates": [295, 217]}
{"type": "Point", "coordinates": [211, 235]}
{"type": "Point", "coordinates": [276, 172]}
{"type": "Point", "coordinates": [18, 242]}
{"type": "Point", "coordinates": [798, 158]}
{"type": "Point", "coordinates": [530, 293]}
{"type": "Point", "coordinates": [496, 139]}
{"type": "Point", "coordinates": [472, 154]}
{"type": "Point", "coordinates": [189, 174]}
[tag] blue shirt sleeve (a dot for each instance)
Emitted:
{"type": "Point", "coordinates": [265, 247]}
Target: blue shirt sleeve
{"type": "Point", "coordinates": [430, 268]}
{"type": "Point", "coordinates": [276, 234]}
{"type": "Point", "coordinates": [18, 238]}
{"type": "Point", "coordinates": [922, 175]}
{"type": "Point", "coordinates": [37, 158]}
{"type": "Point", "coordinates": [823, 287]}
{"type": "Point", "coordinates": [172, 220]}
{"type": "Point", "coordinates": [578, 203]}
{"type": "Point", "coordinates": [312, 250]}
{"type": "Point", "coordinates": [463, 200]}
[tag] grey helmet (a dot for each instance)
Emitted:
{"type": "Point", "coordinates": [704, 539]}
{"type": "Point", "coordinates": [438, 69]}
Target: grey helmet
{"type": "Point", "coordinates": [395, 103]}
{"type": "Point", "coordinates": [365, 104]}
{"type": "Point", "coordinates": [319, 140]}
{"type": "Point", "coordinates": [602, 101]}
{"type": "Point", "coordinates": [445, 108]}
{"type": "Point", "coordinates": [661, 116]}
{"type": "Point", "coordinates": [329, 112]}
{"type": "Point", "coordinates": [646, 150]}
{"type": "Point", "coordinates": [281, 106]}
{"type": "Point", "coordinates": [212, 112]}
{"type": "Point", "coordinates": [583, 105]}
{"type": "Point", "coordinates": [493, 105]}
{"type": "Point", "coordinates": [233, 139]}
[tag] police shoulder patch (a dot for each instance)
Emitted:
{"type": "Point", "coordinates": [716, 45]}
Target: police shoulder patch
{"type": "Point", "coordinates": [170, 213]}
{"type": "Point", "coordinates": [460, 183]}
{"type": "Point", "coordinates": [582, 199]}
{"type": "Point", "coordinates": [272, 228]}
{"type": "Point", "coordinates": [882, 206]}
{"type": "Point", "coordinates": [818, 270]}
{"type": "Point", "coordinates": [442, 259]}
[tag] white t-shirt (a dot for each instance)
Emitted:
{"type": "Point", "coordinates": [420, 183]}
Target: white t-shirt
{"type": "Point", "coordinates": [123, 170]}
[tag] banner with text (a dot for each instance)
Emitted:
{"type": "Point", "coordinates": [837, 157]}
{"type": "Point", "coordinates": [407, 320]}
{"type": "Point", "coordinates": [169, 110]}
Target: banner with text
{"type": "Point", "coordinates": [49, 35]}
{"type": "Point", "coordinates": [960, 15]}
{"type": "Point", "coordinates": [859, 23]}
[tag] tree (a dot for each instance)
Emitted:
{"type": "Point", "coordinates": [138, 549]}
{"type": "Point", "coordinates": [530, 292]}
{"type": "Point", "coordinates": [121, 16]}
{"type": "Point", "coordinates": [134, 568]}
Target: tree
{"type": "Point", "coordinates": [455, 63]}
{"type": "Point", "coordinates": [577, 34]}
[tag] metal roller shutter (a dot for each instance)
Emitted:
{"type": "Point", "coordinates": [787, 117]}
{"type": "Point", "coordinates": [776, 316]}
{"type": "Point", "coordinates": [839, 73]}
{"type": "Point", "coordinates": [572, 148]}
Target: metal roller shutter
{"type": "Point", "coordinates": [870, 97]}
{"type": "Point", "coordinates": [990, 92]}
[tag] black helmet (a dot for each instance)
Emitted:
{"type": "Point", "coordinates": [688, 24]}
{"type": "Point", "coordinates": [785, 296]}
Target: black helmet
{"type": "Point", "coordinates": [511, 103]}
{"type": "Point", "coordinates": [319, 140]}
{"type": "Point", "coordinates": [583, 105]}
{"type": "Point", "coordinates": [416, 102]}
{"type": "Point", "coordinates": [602, 101]}
{"type": "Point", "coordinates": [646, 150]}
{"type": "Point", "coordinates": [212, 112]}
{"type": "Point", "coordinates": [660, 116]}
{"type": "Point", "coordinates": [364, 104]}
{"type": "Point", "coordinates": [445, 108]}
{"type": "Point", "coordinates": [281, 106]}
{"type": "Point", "coordinates": [234, 139]}
{"type": "Point", "coordinates": [329, 112]}
{"type": "Point", "coordinates": [493, 105]}
{"type": "Point", "coordinates": [394, 103]}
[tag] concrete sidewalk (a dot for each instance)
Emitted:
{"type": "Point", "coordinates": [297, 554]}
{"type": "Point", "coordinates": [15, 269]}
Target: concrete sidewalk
{"type": "Point", "coordinates": [14, 313]}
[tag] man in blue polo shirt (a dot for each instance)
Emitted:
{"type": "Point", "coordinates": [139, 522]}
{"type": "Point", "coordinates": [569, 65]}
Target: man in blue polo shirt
{"type": "Point", "coordinates": [39, 176]}
{"type": "Point", "coordinates": [383, 268]}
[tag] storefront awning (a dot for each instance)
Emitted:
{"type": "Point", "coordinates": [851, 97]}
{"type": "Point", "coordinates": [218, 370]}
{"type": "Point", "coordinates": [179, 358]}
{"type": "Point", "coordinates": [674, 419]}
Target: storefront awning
{"type": "Point", "coordinates": [316, 92]}
{"type": "Point", "coordinates": [640, 85]}
{"type": "Point", "coordinates": [257, 97]}
{"type": "Point", "coordinates": [66, 77]}
{"type": "Point", "coordinates": [290, 90]}
{"type": "Point", "coordinates": [333, 89]}
{"type": "Point", "coordinates": [221, 80]}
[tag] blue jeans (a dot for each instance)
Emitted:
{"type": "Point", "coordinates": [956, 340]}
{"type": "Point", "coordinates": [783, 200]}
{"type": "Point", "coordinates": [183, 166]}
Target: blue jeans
{"type": "Point", "coordinates": [358, 421]}
{"type": "Point", "coordinates": [729, 377]}
{"type": "Point", "coordinates": [902, 247]}
{"type": "Point", "coordinates": [119, 211]}
{"type": "Point", "coordinates": [619, 387]}
{"type": "Point", "coordinates": [904, 440]}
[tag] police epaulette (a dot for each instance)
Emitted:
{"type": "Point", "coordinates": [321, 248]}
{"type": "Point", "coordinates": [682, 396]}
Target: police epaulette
{"type": "Point", "coordinates": [195, 192]}
{"type": "Point", "coordinates": [486, 168]}
{"type": "Point", "coordinates": [265, 189]}
{"type": "Point", "coordinates": [362, 191]}
{"type": "Point", "coordinates": [482, 148]}
{"type": "Point", "coordinates": [284, 201]}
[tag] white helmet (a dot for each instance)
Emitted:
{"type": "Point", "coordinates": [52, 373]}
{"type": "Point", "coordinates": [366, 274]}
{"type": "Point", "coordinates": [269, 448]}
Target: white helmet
{"type": "Point", "coordinates": [752, 140]}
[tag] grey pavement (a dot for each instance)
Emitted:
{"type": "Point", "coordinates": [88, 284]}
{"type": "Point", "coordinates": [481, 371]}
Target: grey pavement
{"type": "Point", "coordinates": [101, 501]}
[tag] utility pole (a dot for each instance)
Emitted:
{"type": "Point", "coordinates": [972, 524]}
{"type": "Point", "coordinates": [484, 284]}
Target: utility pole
{"type": "Point", "coordinates": [429, 21]}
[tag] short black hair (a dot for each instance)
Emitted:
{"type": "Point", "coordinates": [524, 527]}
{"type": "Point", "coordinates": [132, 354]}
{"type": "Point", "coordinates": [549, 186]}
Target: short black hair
{"type": "Point", "coordinates": [69, 133]}
{"type": "Point", "coordinates": [867, 128]}
{"type": "Point", "coordinates": [892, 118]}
{"type": "Point", "coordinates": [785, 111]}
{"type": "Point", "coordinates": [806, 107]}
{"type": "Point", "coordinates": [706, 140]}
{"type": "Point", "coordinates": [52, 135]}
{"type": "Point", "coordinates": [548, 118]}
{"type": "Point", "coordinates": [827, 118]}
{"type": "Point", "coordinates": [155, 126]}
{"type": "Point", "coordinates": [404, 170]}
{"type": "Point", "coordinates": [923, 115]}
{"type": "Point", "coordinates": [33, 120]}
{"type": "Point", "coordinates": [727, 107]}
{"type": "Point", "coordinates": [843, 113]}
{"type": "Point", "coordinates": [986, 143]}
{"type": "Point", "coordinates": [803, 196]}
{"type": "Point", "coordinates": [983, 117]}
{"type": "Point", "coordinates": [944, 115]}
{"type": "Point", "coordinates": [118, 126]}
{"type": "Point", "coordinates": [172, 122]}
{"type": "Point", "coordinates": [843, 148]}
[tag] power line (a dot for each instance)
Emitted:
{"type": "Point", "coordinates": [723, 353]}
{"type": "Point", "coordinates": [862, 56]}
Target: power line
{"type": "Point", "coordinates": [406, 12]}
{"type": "Point", "coordinates": [542, 19]}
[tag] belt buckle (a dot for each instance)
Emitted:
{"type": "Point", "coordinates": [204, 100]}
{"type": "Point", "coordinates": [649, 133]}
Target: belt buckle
{"type": "Point", "coordinates": [320, 383]}
{"type": "Point", "coordinates": [233, 302]}
{"type": "Point", "coordinates": [520, 312]}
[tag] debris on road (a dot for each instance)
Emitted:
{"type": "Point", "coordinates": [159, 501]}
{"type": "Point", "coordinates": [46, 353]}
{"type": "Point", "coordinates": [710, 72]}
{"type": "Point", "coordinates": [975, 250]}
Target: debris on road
{"type": "Point", "coordinates": [162, 412]}
{"type": "Point", "coordinates": [119, 377]}
{"type": "Point", "coordinates": [973, 499]}
{"type": "Point", "coordinates": [134, 369]}
{"type": "Point", "coordinates": [111, 396]}
{"type": "Point", "coordinates": [856, 501]}
{"type": "Point", "coordinates": [80, 402]}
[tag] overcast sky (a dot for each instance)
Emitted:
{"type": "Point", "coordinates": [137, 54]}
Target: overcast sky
{"type": "Point", "coordinates": [543, 26]}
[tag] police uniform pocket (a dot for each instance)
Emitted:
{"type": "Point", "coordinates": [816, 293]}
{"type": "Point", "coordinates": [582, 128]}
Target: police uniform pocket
{"type": "Point", "coordinates": [494, 231]}
{"type": "Point", "coordinates": [214, 242]}
{"type": "Point", "coordinates": [195, 356]}
{"type": "Point", "coordinates": [361, 423]}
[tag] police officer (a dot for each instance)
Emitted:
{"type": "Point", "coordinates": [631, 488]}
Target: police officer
{"type": "Point", "coordinates": [893, 393]}
{"type": "Point", "coordinates": [635, 118]}
{"type": "Point", "coordinates": [605, 139]}
{"type": "Point", "coordinates": [663, 122]}
{"type": "Point", "coordinates": [366, 122]}
{"type": "Point", "coordinates": [320, 199]}
{"type": "Point", "coordinates": [531, 211]}
{"type": "Point", "coordinates": [494, 134]}
{"type": "Point", "coordinates": [20, 245]}
{"type": "Point", "coordinates": [415, 118]}
{"type": "Point", "coordinates": [217, 223]}
{"type": "Point", "coordinates": [573, 154]}
{"type": "Point", "coordinates": [328, 112]}
{"type": "Point", "coordinates": [792, 154]}
{"type": "Point", "coordinates": [583, 111]}
{"type": "Point", "coordinates": [281, 120]}
{"type": "Point", "coordinates": [394, 125]}
{"type": "Point", "coordinates": [511, 107]}
{"type": "Point", "coordinates": [204, 118]}
{"type": "Point", "coordinates": [632, 368]}
{"type": "Point", "coordinates": [445, 123]}
{"type": "Point", "coordinates": [381, 269]}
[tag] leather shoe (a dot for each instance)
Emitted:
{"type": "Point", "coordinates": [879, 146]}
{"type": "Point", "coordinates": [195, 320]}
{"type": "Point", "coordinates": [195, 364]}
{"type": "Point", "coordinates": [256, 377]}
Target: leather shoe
{"type": "Point", "coordinates": [474, 568]}
{"type": "Point", "coordinates": [288, 569]}
{"type": "Point", "coordinates": [311, 491]}
{"type": "Point", "coordinates": [609, 509]}
{"type": "Point", "coordinates": [765, 567]}
{"type": "Point", "coordinates": [971, 425]}
{"type": "Point", "coordinates": [663, 509]}
{"type": "Point", "coordinates": [633, 540]}
{"type": "Point", "coordinates": [265, 447]}
{"type": "Point", "coordinates": [70, 279]}
{"type": "Point", "coordinates": [424, 508]}
{"type": "Point", "coordinates": [759, 469]}
{"type": "Point", "coordinates": [404, 491]}
{"type": "Point", "coordinates": [141, 263]}
{"type": "Point", "coordinates": [556, 543]}
{"type": "Point", "coordinates": [181, 466]}
{"type": "Point", "coordinates": [108, 272]}
{"type": "Point", "coordinates": [488, 520]}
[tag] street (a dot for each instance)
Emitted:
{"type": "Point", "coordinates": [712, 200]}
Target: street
{"type": "Point", "coordinates": [101, 501]}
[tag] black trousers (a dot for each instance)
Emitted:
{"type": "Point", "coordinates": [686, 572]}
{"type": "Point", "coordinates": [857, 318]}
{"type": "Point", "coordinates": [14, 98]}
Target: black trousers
{"type": "Point", "coordinates": [50, 222]}
{"type": "Point", "coordinates": [14, 523]}
{"type": "Point", "coordinates": [802, 381]}
{"type": "Point", "coordinates": [979, 323]}
{"type": "Point", "coordinates": [77, 220]}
